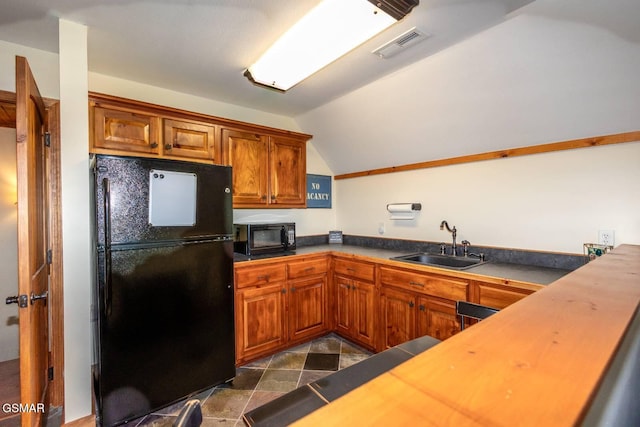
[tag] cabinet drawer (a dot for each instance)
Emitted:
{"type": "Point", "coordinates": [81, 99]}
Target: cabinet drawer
{"type": "Point", "coordinates": [299, 269]}
{"type": "Point", "coordinates": [443, 287]}
{"type": "Point", "coordinates": [262, 275]}
{"type": "Point", "coordinates": [360, 270]}
{"type": "Point", "coordinates": [493, 296]}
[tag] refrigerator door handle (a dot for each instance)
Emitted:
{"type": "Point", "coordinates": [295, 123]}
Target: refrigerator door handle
{"type": "Point", "coordinates": [107, 246]}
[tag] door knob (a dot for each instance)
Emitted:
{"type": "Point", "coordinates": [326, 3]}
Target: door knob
{"type": "Point", "coordinates": [21, 300]}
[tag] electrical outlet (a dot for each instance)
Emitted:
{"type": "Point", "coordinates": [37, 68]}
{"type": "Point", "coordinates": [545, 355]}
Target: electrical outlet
{"type": "Point", "coordinates": [606, 237]}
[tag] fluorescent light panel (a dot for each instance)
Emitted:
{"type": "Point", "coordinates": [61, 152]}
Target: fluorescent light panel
{"type": "Point", "coordinates": [327, 32]}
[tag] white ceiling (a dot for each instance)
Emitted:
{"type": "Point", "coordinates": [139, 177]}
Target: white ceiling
{"type": "Point", "coordinates": [202, 47]}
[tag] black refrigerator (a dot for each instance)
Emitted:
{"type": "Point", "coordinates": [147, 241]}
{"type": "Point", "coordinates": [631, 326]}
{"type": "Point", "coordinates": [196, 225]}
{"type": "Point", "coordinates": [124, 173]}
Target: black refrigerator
{"type": "Point", "coordinates": [164, 288]}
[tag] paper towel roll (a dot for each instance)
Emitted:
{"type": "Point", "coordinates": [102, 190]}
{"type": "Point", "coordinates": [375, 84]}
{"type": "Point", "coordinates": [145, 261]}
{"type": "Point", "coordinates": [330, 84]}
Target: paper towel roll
{"type": "Point", "coordinates": [403, 210]}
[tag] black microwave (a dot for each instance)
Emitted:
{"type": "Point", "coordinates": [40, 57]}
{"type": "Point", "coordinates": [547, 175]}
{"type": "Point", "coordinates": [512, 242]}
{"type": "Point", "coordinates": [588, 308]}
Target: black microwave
{"type": "Point", "coordinates": [260, 239]}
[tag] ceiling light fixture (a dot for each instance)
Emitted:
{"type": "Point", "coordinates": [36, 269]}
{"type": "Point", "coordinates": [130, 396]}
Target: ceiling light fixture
{"type": "Point", "coordinates": [326, 33]}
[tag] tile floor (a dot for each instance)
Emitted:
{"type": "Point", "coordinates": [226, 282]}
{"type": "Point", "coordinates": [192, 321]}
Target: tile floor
{"type": "Point", "coordinates": [262, 381]}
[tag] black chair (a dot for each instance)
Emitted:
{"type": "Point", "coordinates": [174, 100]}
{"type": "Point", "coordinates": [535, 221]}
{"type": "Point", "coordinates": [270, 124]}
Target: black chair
{"type": "Point", "coordinates": [190, 415]}
{"type": "Point", "coordinates": [474, 311]}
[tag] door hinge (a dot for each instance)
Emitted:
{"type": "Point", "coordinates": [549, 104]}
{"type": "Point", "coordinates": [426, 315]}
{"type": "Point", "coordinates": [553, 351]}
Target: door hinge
{"type": "Point", "coordinates": [49, 256]}
{"type": "Point", "coordinates": [50, 373]}
{"type": "Point", "coordinates": [47, 139]}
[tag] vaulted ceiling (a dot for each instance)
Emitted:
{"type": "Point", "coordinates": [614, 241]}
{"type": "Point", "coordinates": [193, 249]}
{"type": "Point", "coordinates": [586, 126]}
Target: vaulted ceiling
{"type": "Point", "coordinates": [201, 47]}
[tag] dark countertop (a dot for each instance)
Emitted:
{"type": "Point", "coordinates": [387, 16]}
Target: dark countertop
{"type": "Point", "coordinates": [500, 270]}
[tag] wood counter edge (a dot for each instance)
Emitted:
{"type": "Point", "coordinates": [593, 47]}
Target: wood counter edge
{"type": "Point", "coordinates": [551, 377]}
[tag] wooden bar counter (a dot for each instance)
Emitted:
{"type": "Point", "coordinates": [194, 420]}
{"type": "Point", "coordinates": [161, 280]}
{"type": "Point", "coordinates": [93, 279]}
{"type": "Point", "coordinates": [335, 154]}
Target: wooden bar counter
{"type": "Point", "coordinates": [539, 362]}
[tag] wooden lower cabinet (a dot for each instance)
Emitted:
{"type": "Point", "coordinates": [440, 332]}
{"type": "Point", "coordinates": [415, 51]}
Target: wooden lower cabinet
{"type": "Point", "coordinates": [307, 308]}
{"type": "Point", "coordinates": [437, 318]}
{"type": "Point", "coordinates": [413, 304]}
{"type": "Point", "coordinates": [283, 303]}
{"type": "Point", "coordinates": [355, 310]}
{"type": "Point", "coordinates": [398, 316]}
{"type": "Point", "coordinates": [260, 320]}
{"type": "Point", "coordinates": [279, 304]}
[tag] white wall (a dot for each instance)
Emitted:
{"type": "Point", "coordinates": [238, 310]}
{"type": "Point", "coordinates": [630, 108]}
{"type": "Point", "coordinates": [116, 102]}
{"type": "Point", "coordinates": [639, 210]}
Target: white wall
{"type": "Point", "coordinates": [550, 202]}
{"type": "Point", "coordinates": [531, 80]}
{"type": "Point", "coordinates": [78, 257]}
{"type": "Point", "coordinates": [9, 345]}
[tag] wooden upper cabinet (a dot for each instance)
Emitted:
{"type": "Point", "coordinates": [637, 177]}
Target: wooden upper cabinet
{"type": "Point", "coordinates": [124, 129]}
{"type": "Point", "coordinates": [248, 154]}
{"type": "Point", "coordinates": [268, 170]}
{"type": "Point", "coordinates": [288, 163]}
{"type": "Point", "coordinates": [189, 139]}
{"type": "Point", "coordinates": [269, 165]}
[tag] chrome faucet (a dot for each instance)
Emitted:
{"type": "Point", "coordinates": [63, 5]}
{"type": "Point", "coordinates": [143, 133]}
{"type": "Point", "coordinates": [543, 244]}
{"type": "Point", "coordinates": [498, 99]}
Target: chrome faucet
{"type": "Point", "coordinates": [465, 247]}
{"type": "Point", "coordinates": [454, 233]}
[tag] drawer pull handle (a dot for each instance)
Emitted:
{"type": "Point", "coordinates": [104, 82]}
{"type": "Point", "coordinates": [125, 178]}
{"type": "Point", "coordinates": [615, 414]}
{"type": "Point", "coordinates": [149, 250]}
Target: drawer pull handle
{"type": "Point", "coordinates": [168, 146]}
{"type": "Point", "coordinates": [154, 145]}
{"type": "Point", "coordinates": [264, 277]}
{"type": "Point", "coordinates": [309, 269]}
{"type": "Point", "coordinates": [284, 291]}
{"type": "Point", "coordinates": [422, 307]}
{"type": "Point", "coordinates": [412, 283]}
{"type": "Point", "coordinates": [411, 304]}
{"type": "Point", "coordinates": [351, 270]}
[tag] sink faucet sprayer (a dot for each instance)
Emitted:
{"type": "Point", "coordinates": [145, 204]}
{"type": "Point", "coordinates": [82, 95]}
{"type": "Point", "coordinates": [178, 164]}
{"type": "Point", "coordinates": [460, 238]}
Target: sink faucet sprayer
{"type": "Point", "coordinates": [453, 232]}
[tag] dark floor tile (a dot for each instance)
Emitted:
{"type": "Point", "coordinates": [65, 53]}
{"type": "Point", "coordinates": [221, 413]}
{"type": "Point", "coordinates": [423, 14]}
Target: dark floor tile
{"type": "Point", "coordinates": [287, 360]}
{"type": "Point", "coordinates": [322, 362]}
{"type": "Point", "coordinates": [279, 380]}
{"type": "Point", "coordinates": [246, 379]}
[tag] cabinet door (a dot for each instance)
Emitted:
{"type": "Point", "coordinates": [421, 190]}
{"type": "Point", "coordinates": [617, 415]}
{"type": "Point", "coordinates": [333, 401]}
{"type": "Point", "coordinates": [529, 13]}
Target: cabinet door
{"type": "Point", "coordinates": [398, 317]}
{"type": "Point", "coordinates": [288, 172]}
{"type": "Point", "coordinates": [344, 305]}
{"type": "Point", "coordinates": [125, 130]}
{"type": "Point", "coordinates": [307, 307]}
{"type": "Point", "coordinates": [248, 154]}
{"type": "Point", "coordinates": [190, 140]}
{"type": "Point", "coordinates": [260, 321]}
{"type": "Point", "coordinates": [363, 326]}
{"type": "Point", "coordinates": [437, 318]}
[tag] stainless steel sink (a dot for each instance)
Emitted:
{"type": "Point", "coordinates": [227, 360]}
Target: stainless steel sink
{"type": "Point", "coordinates": [445, 261]}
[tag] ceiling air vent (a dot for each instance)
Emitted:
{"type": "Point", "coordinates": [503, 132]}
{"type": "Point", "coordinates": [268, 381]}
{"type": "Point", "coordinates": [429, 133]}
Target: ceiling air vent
{"type": "Point", "coordinates": [403, 41]}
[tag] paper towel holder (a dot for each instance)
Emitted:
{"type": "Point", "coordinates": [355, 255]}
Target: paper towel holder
{"type": "Point", "coordinates": [403, 210]}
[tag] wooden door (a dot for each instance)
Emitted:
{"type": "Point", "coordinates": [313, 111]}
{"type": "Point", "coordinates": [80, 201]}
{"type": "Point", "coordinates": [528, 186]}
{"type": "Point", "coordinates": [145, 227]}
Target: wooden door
{"type": "Point", "coordinates": [33, 269]}
{"type": "Point", "coordinates": [344, 305]}
{"type": "Point", "coordinates": [260, 326]}
{"type": "Point", "coordinates": [307, 307]}
{"type": "Point", "coordinates": [363, 326]}
{"type": "Point", "coordinates": [398, 317]}
{"type": "Point", "coordinates": [190, 140]}
{"type": "Point", "coordinates": [248, 154]}
{"type": "Point", "coordinates": [125, 130]}
{"type": "Point", "coordinates": [439, 320]}
{"type": "Point", "coordinates": [288, 172]}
